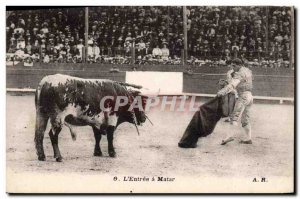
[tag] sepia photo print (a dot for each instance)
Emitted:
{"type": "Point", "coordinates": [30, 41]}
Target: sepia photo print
{"type": "Point", "coordinates": [150, 99]}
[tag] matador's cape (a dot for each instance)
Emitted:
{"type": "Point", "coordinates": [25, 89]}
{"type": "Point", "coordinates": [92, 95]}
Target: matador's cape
{"type": "Point", "coordinates": [206, 118]}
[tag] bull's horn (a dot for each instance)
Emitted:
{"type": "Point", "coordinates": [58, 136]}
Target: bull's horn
{"type": "Point", "coordinates": [137, 129]}
{"type": "Point", "coordinates": [131, 85]}
{"type": "Point", "coordinates": [149, 120]}
{"type": "Point", "coordinates": [134, 120]}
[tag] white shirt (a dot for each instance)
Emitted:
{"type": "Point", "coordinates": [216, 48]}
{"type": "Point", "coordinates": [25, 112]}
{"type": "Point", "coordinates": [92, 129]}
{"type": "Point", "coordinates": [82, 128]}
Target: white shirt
{"type": "Point", "coordinates": [96, 51]}
{"type": "Point", "coordinates": [165, 53]}
{"type": "Point", "coordinates": [156, 52]}
{"type": "Point", "coordinates": [79, 47]}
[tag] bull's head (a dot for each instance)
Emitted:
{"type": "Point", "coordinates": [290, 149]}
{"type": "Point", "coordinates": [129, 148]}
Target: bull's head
{"type": "Point", "coordinates": [134, 111]}
{"type": "Point", "coordinates": [139, 111]}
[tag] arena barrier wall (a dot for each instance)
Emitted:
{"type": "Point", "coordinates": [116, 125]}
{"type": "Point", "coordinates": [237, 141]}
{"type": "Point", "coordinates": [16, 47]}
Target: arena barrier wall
{"type": "Point", "coordinates": [29, 78]}
{"type": "Point", "coordinates": [268, 82]}
{"type": "Point", "coordinates": [264, 85]}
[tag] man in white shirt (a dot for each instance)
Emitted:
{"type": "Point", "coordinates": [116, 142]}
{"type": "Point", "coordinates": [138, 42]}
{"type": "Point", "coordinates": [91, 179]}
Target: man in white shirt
{"type": "Point", "coordinates": [80, 47]}
{"type": "Point", "coordinates": [156, 52]}
{"type": "Point", "coordinates": [21, 42]}
{"type": "Point", "coordinates": [96, 51]}
{"type": "Point", "coordinates": [90, 54]}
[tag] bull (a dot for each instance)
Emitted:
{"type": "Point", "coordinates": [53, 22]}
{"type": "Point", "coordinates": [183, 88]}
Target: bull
{"type": "Point", "coordinates": [71, 101]}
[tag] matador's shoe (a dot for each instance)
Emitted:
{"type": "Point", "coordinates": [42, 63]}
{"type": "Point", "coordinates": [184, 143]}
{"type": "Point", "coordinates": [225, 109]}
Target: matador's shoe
{"type": "Point", "coordinates": [227, 120]}
{"type": "Point", "coordinates": [226, 141]}
{"type": "Point", "coordinates": [246, 142]}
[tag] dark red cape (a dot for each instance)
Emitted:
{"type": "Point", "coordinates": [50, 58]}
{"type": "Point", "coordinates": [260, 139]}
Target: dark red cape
{"type": "Point", "coordinates": [205, 119]}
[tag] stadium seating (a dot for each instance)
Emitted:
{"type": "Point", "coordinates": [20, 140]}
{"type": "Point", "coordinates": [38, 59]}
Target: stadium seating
{"type": "Point", "coordinates": [261, 36]}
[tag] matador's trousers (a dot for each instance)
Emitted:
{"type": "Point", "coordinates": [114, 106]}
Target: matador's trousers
{"type": "Point", "coordinates": [242, 108]}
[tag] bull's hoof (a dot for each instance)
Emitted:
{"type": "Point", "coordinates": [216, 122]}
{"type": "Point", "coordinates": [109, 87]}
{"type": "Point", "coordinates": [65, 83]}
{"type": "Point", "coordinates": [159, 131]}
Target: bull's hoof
{"type": "Point", "coordinates": [97, 153]}
{"type": "Point", "coordinates": [59, 159]}
{"type": "Point", "coordinates": [42, 158]}
{"type": "Point", "coordinates": [74, 136]}
{"type": "Point", "coordinates": [112, 154]}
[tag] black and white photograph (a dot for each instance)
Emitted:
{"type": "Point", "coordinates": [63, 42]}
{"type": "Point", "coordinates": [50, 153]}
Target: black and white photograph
{"type": "Point", "coordinates": [150, 99]}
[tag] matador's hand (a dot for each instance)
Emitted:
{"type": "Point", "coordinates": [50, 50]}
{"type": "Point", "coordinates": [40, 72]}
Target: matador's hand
{"type": "Point", "coordinates": [220, 93]}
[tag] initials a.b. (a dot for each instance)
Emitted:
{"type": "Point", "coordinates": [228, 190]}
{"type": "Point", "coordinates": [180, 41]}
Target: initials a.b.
{"type": "Point", "coordinates": [262, 179]}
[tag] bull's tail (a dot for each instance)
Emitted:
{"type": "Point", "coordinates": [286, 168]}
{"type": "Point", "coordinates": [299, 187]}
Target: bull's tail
{"type": "Point", "coordinates": [40, 126]}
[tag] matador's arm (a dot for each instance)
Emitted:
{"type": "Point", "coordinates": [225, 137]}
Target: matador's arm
{"type": "Point", "coordinates": [228, 88]}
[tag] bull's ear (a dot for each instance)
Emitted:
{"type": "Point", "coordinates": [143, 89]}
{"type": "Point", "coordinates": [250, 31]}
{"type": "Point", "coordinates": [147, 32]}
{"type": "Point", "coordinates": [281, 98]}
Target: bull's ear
{"type": "Point", "coordinates": [144, 97]}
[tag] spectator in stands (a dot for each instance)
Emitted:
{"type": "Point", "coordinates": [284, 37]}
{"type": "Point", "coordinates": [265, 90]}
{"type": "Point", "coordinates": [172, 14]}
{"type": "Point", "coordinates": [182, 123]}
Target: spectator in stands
{"type": "Point", "coordinates": [21, 42]}
{"type": "Point", "coordinates": [96, 51]}
{"type": "Point", "coordinates": [80, 47]}
{"type": "Point", "coordinates": [119, 51]}
{"type": "Point", "coordinates": [235, 50]}
{"type": "Point", "coordinates": [74, 51]}
{"type": "Point", "coordinates": [28, 48]}
{"type": "Point", "coordinates": [36, 47]}
{"type": "Point", "coordinates": [165, 53]}
{"type": "Point", "coordinates": [156, 52]}
{"type": "Point", "coordinates": [140, 46]}
{"type": "Point", "coordinates": [46, 59]}
{"type": "Point", "coordinates": [36, 57]}
{"type": "Point", "coordinates": [13, 44]}
{"type": "Point", "coordinates": [18, 31]}
{"type": "Point", "coordinates": [68, 52]}
{"type": "Point", "coordinates": [147, 50]}
{"type": "Point", "coordinates": [28, 60]}
{"type": "Point", "coordinates": [45, 29]}
{"type": "Point", "coordinates": [178, 47]}
{"type": "Point", "coordinates": [43, 46]}
{"type": "Point", "coordinates": [19, 54]}
{"type": "Point", "coordinates": [127, 47]}
{"type": "Point", "coordinates": [90, 54]}
{"type": "Point", "coordinates": [128, 38]}
{"type": "Point", "coordinates": [50, 48]}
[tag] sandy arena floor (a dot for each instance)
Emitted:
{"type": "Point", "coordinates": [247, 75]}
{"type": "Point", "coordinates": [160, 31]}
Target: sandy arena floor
{"type": "Point", "coordinates": [155, 151]}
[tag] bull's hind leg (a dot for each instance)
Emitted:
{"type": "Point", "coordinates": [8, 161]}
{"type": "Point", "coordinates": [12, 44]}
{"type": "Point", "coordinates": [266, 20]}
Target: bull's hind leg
{"type": "Point", "coordinates": [40, 127]}
{"type": "Point", "coordinates": [97, 134]}
{"type": "Point", "coordinates": [53, 133]}
{"type": "Point", "coordinates": [110, 136]}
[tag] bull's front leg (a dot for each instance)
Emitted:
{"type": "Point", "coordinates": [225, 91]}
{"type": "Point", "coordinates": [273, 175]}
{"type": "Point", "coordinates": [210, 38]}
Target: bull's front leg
{"type": "Point", "coordinates": [53, 134]}
{"type": "Point", "coordinates": [56, 126]}
{"type": "Point", "coordinates": [97, 135]}
{"type": "Point", "coordinates": [110, 136]}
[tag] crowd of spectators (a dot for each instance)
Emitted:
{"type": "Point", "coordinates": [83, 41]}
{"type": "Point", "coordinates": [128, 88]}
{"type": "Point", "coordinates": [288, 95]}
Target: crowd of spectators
{"type": "Point", "coordinates": [150, 34]}
{"type": "Point", "coordinates": [255, 34]}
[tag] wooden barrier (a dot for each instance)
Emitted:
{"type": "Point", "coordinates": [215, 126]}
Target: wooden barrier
{"type": "Point", "coordinates": [208, 69]}
{"type": "Point", "coordinates": [267, 81]}
{"type": "Point", "coordinates": [263, 85]}
{"type": "Point", "coordinates": [29, 78]}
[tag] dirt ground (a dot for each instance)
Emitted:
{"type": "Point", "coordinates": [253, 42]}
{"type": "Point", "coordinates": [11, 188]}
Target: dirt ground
{"type": "Point", "coordinates": [155, 152]}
